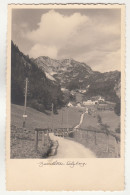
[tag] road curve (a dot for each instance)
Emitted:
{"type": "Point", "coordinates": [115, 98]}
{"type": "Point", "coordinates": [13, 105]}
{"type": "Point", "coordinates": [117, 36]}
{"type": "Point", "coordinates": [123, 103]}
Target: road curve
{"type": "Point", "coordinates": [70, 149]}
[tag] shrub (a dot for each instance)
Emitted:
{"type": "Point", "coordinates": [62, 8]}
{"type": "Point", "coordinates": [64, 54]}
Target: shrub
{"type": "Point", "coordinates": [118, 130]}
{"type": "Point", "coordinates": [36, 105]}
{"type": "Point", "coordinates": [117, 108]}
{"type": "Point", "coordinates": [99, 119]}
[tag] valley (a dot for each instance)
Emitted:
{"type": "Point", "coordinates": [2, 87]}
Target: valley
{"type": "Point", "coordinates": [63, 95]}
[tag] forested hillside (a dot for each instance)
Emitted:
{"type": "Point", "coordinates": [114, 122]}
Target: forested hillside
{"type": "Point", "coordinates": [42, 92]}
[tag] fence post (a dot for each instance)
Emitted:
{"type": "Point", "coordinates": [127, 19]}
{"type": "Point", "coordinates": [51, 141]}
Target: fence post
{"type": "Point", "coordinates": [76, 135]}
{"type": "Point", "coordinates": [79, 134]}
{"type": "Point", "coordinates": [115, 147]}
{"type": "Point", "coordinates": [43, 138]}
{"type": "Point", "coordinates": [47, 136]}
{"type": "Point", "coordinates": [87, 134]}
{"type": "Point", "coordinates": [95, 138]}
{"type": "Point", "coordinates": [82, 134]}
{"type": "Point", "coordinates": [36, 139]}
{"type": "Point", "coordinates": [107, 150]}
{"type": "Point", "coordinates": [47, 133]}
{"type": "Point", "coordinates": [118, 151]}
{"type": "Point", "coordinates": [117, 154]}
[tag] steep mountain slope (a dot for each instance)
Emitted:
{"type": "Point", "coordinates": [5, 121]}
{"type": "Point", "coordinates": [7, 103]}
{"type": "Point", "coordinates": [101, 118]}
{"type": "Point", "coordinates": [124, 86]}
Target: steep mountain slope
{"type": "Point", "coordinates": [41, 90]}
{"type": "Point", "coordinates": [63, 71]}
{"type": "Point", "coordinates": [75, 75]}
{"type": "Point", "coordinates": [104, 84]}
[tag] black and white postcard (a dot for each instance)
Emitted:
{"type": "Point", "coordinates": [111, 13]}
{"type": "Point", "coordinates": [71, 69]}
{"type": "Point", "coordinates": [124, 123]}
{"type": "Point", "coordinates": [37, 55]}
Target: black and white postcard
{"type": "Point", "coordinates": [65, 97]}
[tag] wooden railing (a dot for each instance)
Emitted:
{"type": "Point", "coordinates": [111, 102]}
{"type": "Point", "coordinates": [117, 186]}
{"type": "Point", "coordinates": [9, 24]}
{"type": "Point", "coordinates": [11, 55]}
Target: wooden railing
{"type": "Point", "coordinates": [45, 136]}
{"type": "Point", "coordinates": [79, 134]}
{"type": "Point", "coordinates": [65, 132]}
{"type": "Point", "coordinates": [116, 137]}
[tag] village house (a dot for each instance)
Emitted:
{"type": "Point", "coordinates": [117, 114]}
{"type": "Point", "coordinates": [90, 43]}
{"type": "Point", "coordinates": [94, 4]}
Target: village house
{"type": "Point", "coordinates": [97, 99]}
{"type": "Point", "coordinates": [82, 91]}
{"type": "Point", "coordinates": [72, 92]}
{"type": "Point", "coordinates": [78, 104]}
{"type": "Point", "coordinates": [64, 89]}
{"type": "Point", "coordinates": [88, 102]}
{"type": "Point", "coordinates": [101, 99]}
{"type": "Point", "coordinates": [70, 104]}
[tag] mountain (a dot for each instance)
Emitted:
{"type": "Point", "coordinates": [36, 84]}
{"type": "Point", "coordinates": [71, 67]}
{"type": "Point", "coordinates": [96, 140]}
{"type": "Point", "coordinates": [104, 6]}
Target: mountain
{"type": "Point", "coordinates": [42, 92]}
{"type": "Point", "coordinates": [63, 71]}
{"type": "Point", "coordinates": [48, 77]}
{"type": "Point", "coordinates": [74, 75]}
{"type": "Point", "coordinates": [104, 84]}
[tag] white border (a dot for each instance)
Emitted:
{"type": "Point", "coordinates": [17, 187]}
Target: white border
{"type": "Point", "coordinates": [3, 35]}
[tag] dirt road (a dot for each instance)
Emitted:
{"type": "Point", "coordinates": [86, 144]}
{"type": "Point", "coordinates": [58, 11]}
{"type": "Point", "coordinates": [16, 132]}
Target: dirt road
{"type": "Point", "coordinates": [70, 149]}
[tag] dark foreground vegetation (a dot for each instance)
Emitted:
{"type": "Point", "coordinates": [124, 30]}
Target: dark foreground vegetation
{"type": "Point", "coordinates": [42, 92]}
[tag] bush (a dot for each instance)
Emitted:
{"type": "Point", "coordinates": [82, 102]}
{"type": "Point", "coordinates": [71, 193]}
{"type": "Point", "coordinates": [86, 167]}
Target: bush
{"type": "Point", "coordinates": [118, 130]}
{"type": "Point", "coordinates": [36, 105]}
{"type": "Point", "coordinates": [117, 108]}
{"type": "Point", "coordinates": [99, 119]}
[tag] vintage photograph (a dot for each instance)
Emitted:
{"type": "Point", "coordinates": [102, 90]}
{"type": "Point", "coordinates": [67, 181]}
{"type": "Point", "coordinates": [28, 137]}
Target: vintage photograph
{"type": "Point", "coordinates": [65, 96]}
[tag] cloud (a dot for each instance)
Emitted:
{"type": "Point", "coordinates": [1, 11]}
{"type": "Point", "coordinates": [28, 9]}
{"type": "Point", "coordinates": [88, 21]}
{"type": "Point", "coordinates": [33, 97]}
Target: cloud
{"type": "Point", "coordinates": [55, 30]}
{"type": "Point", "coordinates": [102, 61]}
{"type": "Point", "coordinates": [94, 39]}
{"type": "Point", "coordinates": [41, 50]}
{"type": "Point", "coordinates": [98, 44]}
{"type": "Point", "coordinates": [24, 25]}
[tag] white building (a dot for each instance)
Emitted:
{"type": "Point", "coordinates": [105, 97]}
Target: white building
{"type": "Point", "coordinates": [72, 92]}
{"type": "Point", "coordinates": [101, 99]}
{"type": "Point", "coordinates": [88, 102]}
{"type": "Point", "coordinates": [97, 99]}
{"type": "Point", "coordinates": [64, 89]}
{"type": "Point", "coordinates": [70, 104]}
{"type": "Point", "coordinates": [82, 91]}
{"type": "Point", "coordinates": [78, 105]}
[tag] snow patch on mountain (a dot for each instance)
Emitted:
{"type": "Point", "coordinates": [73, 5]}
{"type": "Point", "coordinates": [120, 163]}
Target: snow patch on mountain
{"type": "Point", "coordinates": [49, 76]}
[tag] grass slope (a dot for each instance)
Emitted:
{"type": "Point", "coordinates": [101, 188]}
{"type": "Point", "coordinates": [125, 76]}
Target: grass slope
{"type": "Point", "coordinates": [22, 145]}
{"type": "Point", "coordinates": [38, 119]}
{"type": "Point", "coordinates": [22, 142]}
{"type": "Point", "coordinates": [108, 117]}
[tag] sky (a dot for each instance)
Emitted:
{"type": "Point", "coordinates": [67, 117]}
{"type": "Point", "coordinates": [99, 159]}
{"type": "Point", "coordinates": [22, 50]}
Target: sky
{"type": "Point", "coordinates": [92, 36]}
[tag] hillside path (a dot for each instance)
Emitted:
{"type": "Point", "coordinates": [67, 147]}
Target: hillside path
{"type": "Point", "coordinates": [70, 149]}
{"type": "Point", "coordinates": [81, 119]}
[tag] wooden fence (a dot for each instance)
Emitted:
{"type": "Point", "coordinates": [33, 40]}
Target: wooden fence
{"type": "Point", "coordinates": [108, 135]}
{"type": "Point", "coordinates": [45, 136]}
{"type": "Point", "coordinates": [80, 134]}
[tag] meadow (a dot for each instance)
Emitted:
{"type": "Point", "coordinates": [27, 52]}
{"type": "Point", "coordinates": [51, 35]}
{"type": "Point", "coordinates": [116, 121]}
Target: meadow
{"type": "Point", "coordinates": [22, 142]}
{"type": "Point", "coordinates": [66, 117]}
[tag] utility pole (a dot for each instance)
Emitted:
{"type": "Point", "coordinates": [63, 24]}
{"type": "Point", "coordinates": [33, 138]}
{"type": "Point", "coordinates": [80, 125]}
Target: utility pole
{"type": "Point", "coordinates": [62, 117]}
{"type": "Point", "coordinates": [25, 103]}
{"type": "Point", "coordinates": [67, 118]}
